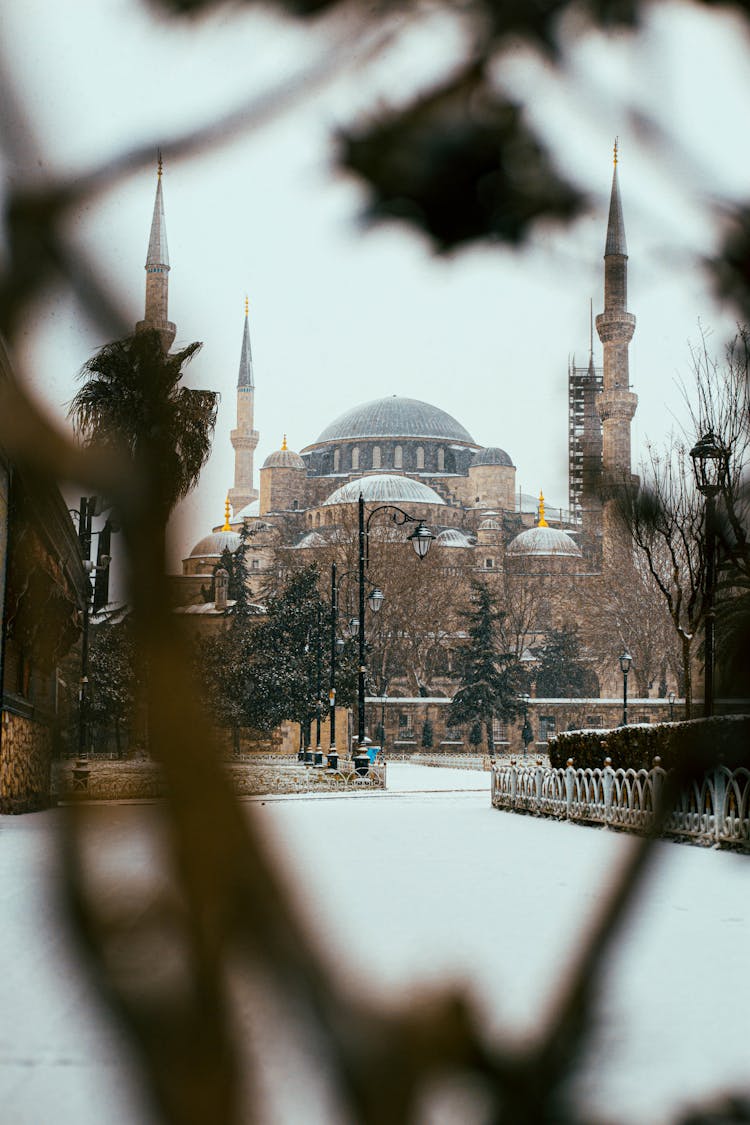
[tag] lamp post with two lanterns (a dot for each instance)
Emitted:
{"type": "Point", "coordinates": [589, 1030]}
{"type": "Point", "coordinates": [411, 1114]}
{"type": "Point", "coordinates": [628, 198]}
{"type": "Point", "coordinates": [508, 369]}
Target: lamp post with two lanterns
{"type": "Point", "coordinates": [421, 540]}
{"type": "Point", "coordinates": [711, 468]}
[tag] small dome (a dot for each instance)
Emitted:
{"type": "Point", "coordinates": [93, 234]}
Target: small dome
{"type": "Point", "coordinates": [544, 541]}
{"type": "Point", "coordinates": [489, 525]}
{"type": "Point", "coordinates": [311, 539]}
{"type": "Point", "coordinates": [395, 417]}
{"type": "Point", "coordinates": [492, 455]}
{"type": "Point", "coordinates": [250, 511]}
{"type": "Point", "coordinates": [212, 546]}
{"type": "Point", "coordinates": [452, 537]}
{"type": "Point", "coordinates": [385, 489]}
{"type": "Point", "coordinates": [283, 459]}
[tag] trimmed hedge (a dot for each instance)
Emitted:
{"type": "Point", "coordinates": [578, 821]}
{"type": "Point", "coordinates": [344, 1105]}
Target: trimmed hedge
{"type": "Point", "coordinates": [723, 739]}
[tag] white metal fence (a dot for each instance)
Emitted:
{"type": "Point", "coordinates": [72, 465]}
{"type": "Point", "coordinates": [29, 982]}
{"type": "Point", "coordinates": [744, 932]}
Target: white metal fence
{"type": "Point", "coordinates": [715, 810]}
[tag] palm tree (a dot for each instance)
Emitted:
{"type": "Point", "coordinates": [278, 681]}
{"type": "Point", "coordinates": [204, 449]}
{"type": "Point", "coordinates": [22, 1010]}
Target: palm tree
{"type": "Point", "coordinates": [132, 403]}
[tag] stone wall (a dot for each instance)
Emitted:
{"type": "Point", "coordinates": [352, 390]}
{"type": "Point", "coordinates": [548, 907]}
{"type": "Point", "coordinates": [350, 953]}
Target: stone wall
{"type": "Point", "coordinates": [25, 756]}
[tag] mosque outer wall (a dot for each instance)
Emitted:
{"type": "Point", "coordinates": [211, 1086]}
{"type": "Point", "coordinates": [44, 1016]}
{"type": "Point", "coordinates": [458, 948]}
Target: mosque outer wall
{"type": "Point", "coordinates": [545, 715]}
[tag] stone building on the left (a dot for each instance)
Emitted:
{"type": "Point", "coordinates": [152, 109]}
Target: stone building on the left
{"type": "Point", "coordinates": [42, 589]}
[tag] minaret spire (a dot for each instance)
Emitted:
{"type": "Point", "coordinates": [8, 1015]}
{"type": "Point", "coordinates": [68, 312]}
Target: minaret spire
{"type": "Point", "coordinates": [156, 315]}
{"type": "Point", "coordinates": [244, 438]}
{"type": "Point", "coordinates": [245, 376]}
{"type": "Point", "coordinates": [616, 403]}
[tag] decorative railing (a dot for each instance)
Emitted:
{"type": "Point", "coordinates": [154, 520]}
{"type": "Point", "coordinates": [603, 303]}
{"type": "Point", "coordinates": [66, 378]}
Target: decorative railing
{"type": "Point", "coordinates": [714, 810]}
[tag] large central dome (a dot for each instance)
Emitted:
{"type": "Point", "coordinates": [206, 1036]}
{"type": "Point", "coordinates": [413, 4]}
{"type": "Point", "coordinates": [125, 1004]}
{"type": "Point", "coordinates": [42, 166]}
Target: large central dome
{"type": "Point", "coordinates": [395, 417]}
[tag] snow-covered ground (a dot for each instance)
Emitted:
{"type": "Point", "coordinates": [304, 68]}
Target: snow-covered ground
{"type": "Point", "coordinates": [423, 884]}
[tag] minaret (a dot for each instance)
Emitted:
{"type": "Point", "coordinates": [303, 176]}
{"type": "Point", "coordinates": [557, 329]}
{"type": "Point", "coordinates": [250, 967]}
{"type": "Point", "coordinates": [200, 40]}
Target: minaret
{"type": "Point", "coordinates": [157, 273]}
{"type": "Point", "coordinates": [244, 438]}
{"type": "Point", "coordinates": [615, 326]}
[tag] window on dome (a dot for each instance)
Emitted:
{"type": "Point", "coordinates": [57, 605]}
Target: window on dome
{"type": "Point", "coordinates": [398, 457]}
{"type": "Point", "coordinates": [355, 457]}
{"type": "Point", "coordinates": [336, 460]}
{"type": "Point", "coordinates": [420, 457]}
{"type": "Point", "coordinates": [376, 456]}
{"type": "Point", "coordinates": [441, 460]}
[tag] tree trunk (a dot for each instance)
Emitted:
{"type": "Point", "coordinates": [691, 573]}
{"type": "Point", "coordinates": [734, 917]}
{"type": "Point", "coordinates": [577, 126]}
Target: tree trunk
{"type": "Point", "coordinates": [490, 738]}
{"type": "Point", "coordinates": [687, 674]}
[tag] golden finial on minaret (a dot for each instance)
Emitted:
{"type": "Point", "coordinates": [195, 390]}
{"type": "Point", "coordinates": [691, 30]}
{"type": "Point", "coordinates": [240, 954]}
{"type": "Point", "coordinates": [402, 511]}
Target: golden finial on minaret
{"type": "Point", "coordinates": [159, 163]}
{"type": "Point", "coordinates": [247, 306]}
{"type": "Point", "coordinates": [542, 521]}
{"type": "Point", "coordinates": [615, 152]}
{"type": "Point", "coordinates": [227, 506]}
{"type": "Point", "coordinates": [284, 445]}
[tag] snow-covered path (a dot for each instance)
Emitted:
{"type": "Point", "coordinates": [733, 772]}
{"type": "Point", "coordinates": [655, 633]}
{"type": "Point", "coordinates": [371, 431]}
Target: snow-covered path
{"type": "Point", "coordinates": [407, 888]}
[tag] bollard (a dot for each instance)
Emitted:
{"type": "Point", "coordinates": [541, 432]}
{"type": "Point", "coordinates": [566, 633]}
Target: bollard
{"type": "Point", "coordinates": [318, 758]}
{"type": "Point", "coordinates": [362, 763]}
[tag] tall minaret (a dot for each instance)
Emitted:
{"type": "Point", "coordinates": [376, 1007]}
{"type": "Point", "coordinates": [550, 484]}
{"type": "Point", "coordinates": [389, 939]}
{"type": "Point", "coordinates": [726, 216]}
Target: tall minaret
{"type": "Point", "coordinates": [615, 326]}
{"type": "Point", "coordinates": [157, 273]}
{"type": "Point", "coordinates": [244, 438]}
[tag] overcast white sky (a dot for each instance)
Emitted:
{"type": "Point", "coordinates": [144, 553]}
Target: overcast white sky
{"type": "Point", "coordinates": [339, 316]}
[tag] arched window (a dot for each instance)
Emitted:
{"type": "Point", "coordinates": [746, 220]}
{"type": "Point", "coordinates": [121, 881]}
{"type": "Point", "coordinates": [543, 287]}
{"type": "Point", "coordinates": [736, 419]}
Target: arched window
{"type": "Point", "coordinates": [355, 457]}
{"type": "Point", "coordinates": [376, 456]}
{"type": "Point", "coordinates": [398, 457]}
{"type": "Point", "coordinates": [295, 505]}
{"type": "Point", "coordinates": [420, 457]}
{"type": "Point", "coordinates": [441, 460]}
{"type": "Point", "coordinates": [317, 519]}
{"type": "Point", "coordinates": [336, 460]}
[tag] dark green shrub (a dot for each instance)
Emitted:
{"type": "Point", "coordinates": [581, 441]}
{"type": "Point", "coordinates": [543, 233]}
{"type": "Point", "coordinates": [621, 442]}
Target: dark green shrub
{"type": "Point", "coordinates": [723, 738]}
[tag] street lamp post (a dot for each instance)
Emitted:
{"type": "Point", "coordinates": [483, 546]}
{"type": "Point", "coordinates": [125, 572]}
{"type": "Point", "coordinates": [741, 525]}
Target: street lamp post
{"type": "Point", "coordinates": [421, 540]}
{"type": "Point", "coordinates": [97, 591]}
{"type": "Point", "coordinates": [337, 646]}
{"type": "Point", "coordinates": [527, 734]}
{"type": "Point", "coordinates": [670, 697]}
{"type": "Point", "coordinates": [625, 661]}
{"type": "Point", "coordinates": [711, 467]}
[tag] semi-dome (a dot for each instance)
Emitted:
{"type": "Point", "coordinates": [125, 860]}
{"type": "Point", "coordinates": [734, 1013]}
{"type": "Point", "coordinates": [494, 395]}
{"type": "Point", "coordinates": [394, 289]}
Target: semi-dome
{"type": "Point", "coordinates": [384, 489]}
{"type": "Point", "coordinates": [283, 459]}
{"type": "Point", "coordinates": [395, 417]}
{"type": "Point", "coordinates": [212, 546]}
{"type": "Point", "coordinates": [452, 537]}
{"type": "Point", "coordinates": [490, 525]}
{"type": "Point", "coordinates": [492, 455]}
{"type": "Point", "coordinates": [544, 541]}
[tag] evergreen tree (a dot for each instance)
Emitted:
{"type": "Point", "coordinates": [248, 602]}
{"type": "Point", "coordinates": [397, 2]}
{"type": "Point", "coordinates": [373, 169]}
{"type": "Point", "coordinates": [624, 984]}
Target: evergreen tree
{"type": "Point", "coordinates": [112, 674]}
{"type": "Point", "coordinates": [261, 671]}
{"type": "Point", "coordinates": [235, 564]}
{"type": "Point", "coordinates": [428, 735]}
{"type": "Point", "coordinates": [562, 673]}
{"type": "Point", "coordinates": [490, 678]}
{"type": "Point", "coordinates": [475, 734]}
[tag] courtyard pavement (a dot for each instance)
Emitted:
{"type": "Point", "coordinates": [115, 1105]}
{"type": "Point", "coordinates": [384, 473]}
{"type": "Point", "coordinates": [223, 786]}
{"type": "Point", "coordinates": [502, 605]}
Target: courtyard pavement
{"type": "Point", "coordinates": [423, 885]}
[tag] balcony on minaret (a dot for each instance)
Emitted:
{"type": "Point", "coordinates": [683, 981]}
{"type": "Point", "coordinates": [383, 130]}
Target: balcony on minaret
{"type": "Point", "coordinates": [244, 439]}
{"type": "Point", "coordinates": [617, 327]}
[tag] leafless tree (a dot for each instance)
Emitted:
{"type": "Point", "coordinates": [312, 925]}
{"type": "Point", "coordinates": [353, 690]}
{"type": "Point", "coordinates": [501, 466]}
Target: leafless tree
{"type": "Point", "coordinates": [664, 515]}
